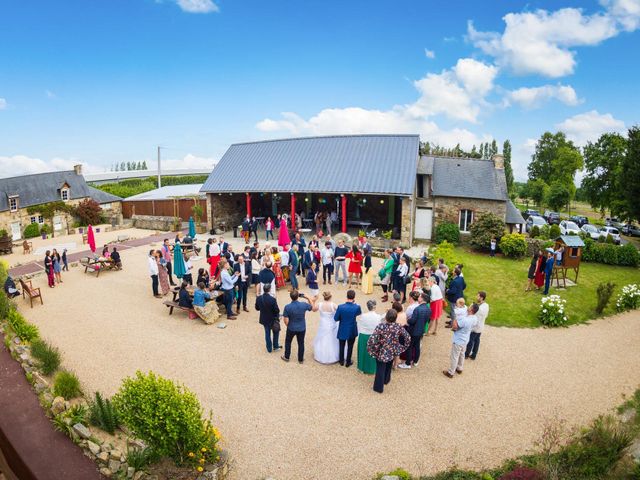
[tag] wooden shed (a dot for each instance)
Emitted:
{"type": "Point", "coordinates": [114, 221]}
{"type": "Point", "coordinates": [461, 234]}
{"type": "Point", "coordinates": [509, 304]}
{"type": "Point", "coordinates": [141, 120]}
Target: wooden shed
{"type": "Point", "coordinates": [571, 256]}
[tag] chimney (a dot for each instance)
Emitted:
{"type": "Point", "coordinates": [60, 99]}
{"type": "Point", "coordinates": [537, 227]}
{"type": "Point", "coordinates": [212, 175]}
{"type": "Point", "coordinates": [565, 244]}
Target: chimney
{"type": "Point", "coordinates": [498, 161]}
{"type": "Point", "coordinates": [78, 169]}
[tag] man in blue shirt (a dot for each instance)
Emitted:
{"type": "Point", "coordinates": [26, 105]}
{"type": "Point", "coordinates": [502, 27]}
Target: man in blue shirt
{"type": "Point", "coordinates": [548, 270]}
{"type": "Point", "coordinates": [348, 328]}
{"type": "Point", "coordinates": [228, 286]}
{"type": "Point", "coordinates": [294, 318]}
{"type": "Point", "coordinates": [461, 332]}
{"type": "Point", "coordinates": [340, 254]}
{"type": "Point", "coordinates": [294, 261]}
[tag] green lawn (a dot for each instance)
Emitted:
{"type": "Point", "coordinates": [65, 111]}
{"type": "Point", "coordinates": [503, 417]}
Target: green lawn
{"type": "Point", "coordinates": [504, 280]}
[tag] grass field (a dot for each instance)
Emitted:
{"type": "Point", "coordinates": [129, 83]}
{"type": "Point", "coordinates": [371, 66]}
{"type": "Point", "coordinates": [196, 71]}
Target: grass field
{"type": "Point", "coordinates": [504, 280]}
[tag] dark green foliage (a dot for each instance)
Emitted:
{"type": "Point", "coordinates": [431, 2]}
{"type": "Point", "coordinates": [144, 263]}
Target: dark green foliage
{"type": "Point", "coordinates": [628, 255]}
{"type": "Point", "coordinates": [133, 186]}
{"type": "Point", "coordinates": [537, 190]}
{"type": "Point", "coordinates": [605, 290]}
{"type": "Point", "coordinates": [534, 232]}
{"type": "Point", "coordinates": [23, 329]}
{"type": "Point", "coordinates": [631, 174]}
{"type": "Point", "coordinates": [32, 230]}
{"type": "Point", "coordinates": [558, 195]}
{"type": "Point", "coordinates": [103, 414]}
{"type": "Point", "coordinates": [508, 169]}
{"type": "Point", "coordinates": [484, 228]}
{"type": "Point", "coordinates": [140, 458]}
{"type": "Point", "coordinates": [447, 231]}
{"type": "Point", "coordinates": [66, 385]}
{"type": "Point", "coordinates": [48, 357]}
{"type": "Point", "coordinates": [77, 414]}
{"type": "Point", "coordinates": [609, 239]}
{"type": "Point", "coordinates": [554, 231]}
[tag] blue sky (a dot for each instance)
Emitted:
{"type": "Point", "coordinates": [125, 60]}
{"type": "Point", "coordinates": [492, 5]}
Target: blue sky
{"type": "Point", "coordinates": [104, 82]}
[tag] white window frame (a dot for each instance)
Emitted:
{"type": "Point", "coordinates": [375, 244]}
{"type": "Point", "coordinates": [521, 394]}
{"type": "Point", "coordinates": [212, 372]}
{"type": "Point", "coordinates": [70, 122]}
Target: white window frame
{"type": "Point", "coordinates": [62, 194]}
{"type": "Point", "coordinates": [37, 219]}
{"type": "Point", "coordinates": [13, 204]}
{"type": "Point", "coordinates": [467, 222]}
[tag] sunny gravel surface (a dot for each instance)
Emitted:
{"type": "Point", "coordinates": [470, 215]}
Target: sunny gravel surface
{"type": "Point", "coordinates": [311, 421]}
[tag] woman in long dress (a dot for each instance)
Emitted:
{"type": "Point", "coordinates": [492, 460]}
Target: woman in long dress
{"type": "Point", "coordinates": [367, 323]}
{"type": "Point", "coordinates": [163, 276]}
{"type": "Point", "coordinates": [326, 347]}
{"type": "Point", "coordinates": [283, 234]}
{"type": "Point", "coordinates": [417, 276]}
{"type": "Point", "coordinates": [214, 259]}
{"type": "Point", "coordinates": [355, 264]}
{"type": "Point", "coordinates": [277, 267]}
{"type": "Point", "coordinates": [538, 278]}
{"type": "Point", "coordinates": [48, 267]}
{"type": "Point", "coordinates": [367, 277]}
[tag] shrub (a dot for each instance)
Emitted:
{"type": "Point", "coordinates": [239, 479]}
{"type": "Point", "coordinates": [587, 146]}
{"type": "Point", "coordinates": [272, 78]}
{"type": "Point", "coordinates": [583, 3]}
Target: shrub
{"type": "Point", "coordinates": [545, 232]}
{"type": "Point", "coordinates": [629, 298]}
{"type": "Point", "coordinates": [514, 245]}
{"type": "Point", "coordinates": [628, 255]}
{"type": "Point", "coordinates": [554, 231]}
{"type": "Point", "coordinates": [32, 230]}
{"type": "Point", "coordinates": [535, 244]}
{"type": "Point", "coordinates": [484, 228]}
{"type": "Point", "coordinates": [60, 424]}
{"type": "Point", "coordinates": [168, 417]}
{"type": "Point", "coordinates": [445, 250]}
{"type": "Point", "coordinates": [447, 231]}
{"type": "Point", "coordinates": [535, 231]}
{"type": "Point", "coordinates": [604, 291]}
{"type": "Point", "coordinates": [522, 473]}
{"type": "Point", "coordinates": [88, 212]}
{"type": "Point", "coordinates": [552, 311]}
{"type": "Point", "coordinates": [609, 254]}
{"type": "Point", "coordinates": [104, 414]}
{"type": "Point", "coordinates": [23, 329]}
{"type": "Point", "coordinates": [45, 229]}
{"type": "Point", "coordinates": [66, 385]}
{"type": "Point", "coordinates": [609, 239]}
{"type": "Point", "coordinates": [77, 414]}
{"type": "Point", "coordinates": [48, 357]}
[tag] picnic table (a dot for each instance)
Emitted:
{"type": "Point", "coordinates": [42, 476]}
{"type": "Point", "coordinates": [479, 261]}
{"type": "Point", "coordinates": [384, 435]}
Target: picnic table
{"type": "Point", "coordinates": [358, 223]}
{"type": "Point", "coordinates": [261, 221]}
{"type": "Point", "coordinates": [191, 289]}
{"type": "Point", "coordinates": [96, 265]}
{"type": "Point", "coordinates": [308, 221]}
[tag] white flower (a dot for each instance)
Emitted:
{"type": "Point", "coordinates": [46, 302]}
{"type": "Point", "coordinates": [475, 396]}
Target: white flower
{"type": "Point", "coordinates": [544, 310]}
{"type": "Point", "coordinates": [565, 319]}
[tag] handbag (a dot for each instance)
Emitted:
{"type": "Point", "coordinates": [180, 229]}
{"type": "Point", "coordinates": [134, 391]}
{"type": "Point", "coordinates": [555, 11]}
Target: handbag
{"type": "Point", "coordinates": [382, 273]}
{"type": "Point", "coordinates": [275, 326]}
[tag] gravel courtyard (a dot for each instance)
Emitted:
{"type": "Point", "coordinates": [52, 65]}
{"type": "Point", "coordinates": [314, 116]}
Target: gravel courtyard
{"type": "Point", "coordinates": [311, 421]}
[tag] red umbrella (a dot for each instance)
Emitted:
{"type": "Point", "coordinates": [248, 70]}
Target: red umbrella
{"type": "Point", "coordinates": [91, 239]}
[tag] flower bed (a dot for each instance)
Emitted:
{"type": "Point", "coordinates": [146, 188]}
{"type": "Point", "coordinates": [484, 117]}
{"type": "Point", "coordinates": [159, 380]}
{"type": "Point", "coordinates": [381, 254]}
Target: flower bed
{"type": "Point", "coordinates": [629, 299]}
{"type": "Point", "coordinates": [552, 311]}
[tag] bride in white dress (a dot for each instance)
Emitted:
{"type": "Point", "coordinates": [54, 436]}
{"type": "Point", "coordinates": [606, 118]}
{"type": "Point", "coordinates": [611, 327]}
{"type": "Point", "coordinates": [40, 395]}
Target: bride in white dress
{"type": "Point", "coordinates": [326, 345]}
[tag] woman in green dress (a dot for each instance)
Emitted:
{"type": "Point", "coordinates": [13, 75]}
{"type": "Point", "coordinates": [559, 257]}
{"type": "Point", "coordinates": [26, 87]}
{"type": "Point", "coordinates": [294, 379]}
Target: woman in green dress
{"type": "Point", "coordinates": [367, 323]}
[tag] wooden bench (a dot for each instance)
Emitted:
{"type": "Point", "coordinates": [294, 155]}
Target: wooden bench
{"type": "Point", "coordinates": [171, 305]}
{"type": "Point", "coordinates": [85, 238]}
{"type": "Point", "coordinates": [27, 247]}
{"type": "Point", "coordinates": [28, 289]}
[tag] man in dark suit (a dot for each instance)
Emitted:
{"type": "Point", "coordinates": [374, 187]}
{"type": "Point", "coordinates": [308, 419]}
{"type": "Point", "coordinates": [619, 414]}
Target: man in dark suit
{"type": "Point", "coordinates": [454, 292]}
{"type": "Point", "coordinates": [301, 243]}
{"type": "Point", "coordinates": [309, 258]}
{"type": "Point", "coordinates": [348, 328]}
{"type": "Point", "coordinates": [269, 317]}
{"type": "Point", "coordinates": [244, 269]}
{"type": "Point", "coordinates": [254, 228]}
{"type": "Point", "coordinates": [416, 325]}
{"type": "Point", "coordinates": [224, 246]}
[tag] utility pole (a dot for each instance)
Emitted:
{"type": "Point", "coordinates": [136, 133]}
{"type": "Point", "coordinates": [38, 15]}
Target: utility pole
{"type": "Point", "coordinates": [159, 177]}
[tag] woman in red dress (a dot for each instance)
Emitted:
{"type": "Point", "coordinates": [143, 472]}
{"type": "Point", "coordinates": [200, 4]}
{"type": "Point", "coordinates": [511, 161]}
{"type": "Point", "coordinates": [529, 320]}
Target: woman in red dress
{"type": "Point", "coordinates": [277, 267]}
{"type": "Point", "coordinates": [538, 278]}
{"type": "Point", "coordinates": [355, 264]}
{"type": "Point", "coordinates": [418, 274]}
{"type": "Point", "coordinates": [214, 258]}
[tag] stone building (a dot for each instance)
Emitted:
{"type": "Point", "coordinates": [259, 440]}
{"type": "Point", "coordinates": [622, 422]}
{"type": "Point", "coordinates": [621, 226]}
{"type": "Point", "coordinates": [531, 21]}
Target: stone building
{"type": "Point", "coordinates": [17, 194]}
{"type": "Point", "coordinates": [366, 181]}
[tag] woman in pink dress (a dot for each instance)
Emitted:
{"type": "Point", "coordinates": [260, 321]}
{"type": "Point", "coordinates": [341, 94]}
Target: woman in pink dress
{"type": "Point", "coordinates": [283, 234]}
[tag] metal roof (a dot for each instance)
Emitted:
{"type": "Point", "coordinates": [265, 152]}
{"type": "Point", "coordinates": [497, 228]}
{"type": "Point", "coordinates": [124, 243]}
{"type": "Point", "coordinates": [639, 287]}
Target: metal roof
{"type": "Point", "coordinates": [468, 178]}
{"type": "Point", "coordinates": [571, 240]}
{"type": "Point", "coordinates": [425, 165]}
{"type": "Point", "coordinates": [42, 188]}
{"type": "Point", "coordinates": [168, 192]}
{"type": "Point", "coordinates": [513, 214]}
{"type": "Point", "coordinates": [374, 164]}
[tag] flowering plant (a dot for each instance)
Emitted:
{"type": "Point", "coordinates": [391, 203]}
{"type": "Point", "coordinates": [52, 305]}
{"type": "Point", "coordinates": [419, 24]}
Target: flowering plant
{"type": "Point", "coordinates": [629, 299]}
{"type": "Point", "coordinates": [552, 311]}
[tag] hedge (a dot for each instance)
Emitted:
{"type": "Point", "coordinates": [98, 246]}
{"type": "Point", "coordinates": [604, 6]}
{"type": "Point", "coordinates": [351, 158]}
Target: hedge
{"type": "Point", "coordinates": [610, 254]}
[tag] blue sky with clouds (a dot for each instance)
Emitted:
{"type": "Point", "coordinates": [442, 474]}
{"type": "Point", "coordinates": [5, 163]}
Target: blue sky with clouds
{"type": "Point", "coordinates": [105, 82]}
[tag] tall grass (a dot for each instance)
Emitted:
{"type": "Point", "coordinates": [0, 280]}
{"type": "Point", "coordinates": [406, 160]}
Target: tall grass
{"type": "Point", "coordinates": [48, 356]}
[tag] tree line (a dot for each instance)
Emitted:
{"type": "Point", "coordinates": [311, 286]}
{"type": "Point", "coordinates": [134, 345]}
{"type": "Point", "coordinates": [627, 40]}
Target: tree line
{"type": "Point", "coordinates": [126, 166]}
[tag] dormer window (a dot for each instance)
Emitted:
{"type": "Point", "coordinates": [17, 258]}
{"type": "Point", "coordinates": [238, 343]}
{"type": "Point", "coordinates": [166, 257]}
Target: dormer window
{"type": "Point", "coordinates": [13, 204]}
{"type": "Point", "coordinates": [64, 194]}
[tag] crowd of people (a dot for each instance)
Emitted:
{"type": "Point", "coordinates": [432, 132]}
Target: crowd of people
{"type": "Point", "coordinates": [541, 268]}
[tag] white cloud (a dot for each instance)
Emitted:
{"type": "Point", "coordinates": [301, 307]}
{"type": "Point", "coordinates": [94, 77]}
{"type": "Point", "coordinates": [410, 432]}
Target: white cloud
{"type": "Point", "coordinates": [589, 126]}
{"type": "Point", "coordinates": [477, 77]}
{"type": "Point", "coordinates": [540, 42]}
{"type": "Point", "coordinates": [534, 97]}
{"type": "Point", "coordinates": [50, 95]}
{"type": "Point", "coordinates": [521, 158]}
{"type": "Point", "coordinates": [23, 165]}
{"type": "Point", "coordinates": [197, 6]}
{"type": "Point", "coordinates": [3, 103]}
{"type": "Point", "coordinates": [429, 53]}
{"type": "Point", "coordinates": [189, 161]}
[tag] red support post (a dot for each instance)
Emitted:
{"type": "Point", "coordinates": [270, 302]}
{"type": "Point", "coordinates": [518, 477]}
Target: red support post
{"type": "Point", "coordinates": [293, 211]}
{"type": "Point", "coordinates": [343, 207]}
{"type": "Point", "coordinates": [248, 204]}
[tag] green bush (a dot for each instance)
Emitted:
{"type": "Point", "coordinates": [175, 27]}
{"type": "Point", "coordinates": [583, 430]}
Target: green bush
{"type": "Point", "coordinates": [604, 291]}
{"type": "Point", "coordinates": [545, 232]}
{"type": "Point", "coordinates": [48, 357]}
{"type": "Point", "coordinates": [104, 414]}
{"type": "Point", "coordinates": [23, 329]}
{"type": "Point", "coordinates": [535, 231]}
{"type": "Point", "coordinates": [45, 229]}
{"type": "Point", "coordinates": [554, 231]}
{"type": "Point", "coordinates": [66, 385]}
{"type": "Point", "coordinates": [609, 239]}
{"type": "Point", "coordinates": [610, 254]}
{"type": "Point", "coordinates": [514, 245]}
{"type": "Point", "coordinates": [168, 417]}
{"type": "Point", "coordinates": [629, 298]}
{"type": "Point", "coordinates": [628, 255]}
{"type": "Point", "coordinates": [447, 231]}
{"type": "Point", "coordinates": [552, 312]}
{"type": "Point", "coordinates": [32, 230]}
{"type": "Point", "coordinates": [398, 472]}
{"type": "Point", "coordinates": [140, 458]}
{"type": "Point", "coordinates": [484, 228]}
{"type": "Point", "coordinates": [77, 414]}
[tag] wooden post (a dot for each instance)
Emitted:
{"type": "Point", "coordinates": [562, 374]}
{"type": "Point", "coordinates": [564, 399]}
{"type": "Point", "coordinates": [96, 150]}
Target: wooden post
{"type": "Point", "coordinates": [293, 211]}
{"type": "Point", "coordinates": [343, 209]}
{"type": "Point", "coordinates": [248, 204]}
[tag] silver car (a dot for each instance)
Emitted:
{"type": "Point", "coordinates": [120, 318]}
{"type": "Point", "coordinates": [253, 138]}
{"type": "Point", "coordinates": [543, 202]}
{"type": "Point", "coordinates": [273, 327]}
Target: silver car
{"type": "Point", "coordinates": [590, 230]}
{"type": "Point", "coordinates": [614, 232]}
{"type": "Point", "coordinates": [534, 220]}
{"type": "Point", "coordinates": [568, 227]}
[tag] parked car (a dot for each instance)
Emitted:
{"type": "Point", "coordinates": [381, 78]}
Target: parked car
{"type": "Point", "coordinates": [590, 230]}
{"type": "Point", "coordinates": [534, 220]}
{"type": "Point", "coordinates": [567, 227]}
{"type": "Point", "coordinates": [614, 232]}
{"type": "Point", "coordinates": [528, 213]}
{"type": "Point", "coordinates": [631, 230]}
{"type": "Point", "coordinates": [613, 222]}
{"type": "Point", "coordinates": [552, 217]}
{"type": "Point", "coordinates": [579, 220]}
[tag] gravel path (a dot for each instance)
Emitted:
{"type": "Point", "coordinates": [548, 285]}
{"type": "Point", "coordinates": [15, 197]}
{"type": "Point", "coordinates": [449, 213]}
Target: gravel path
{"type": "Point", "coordinates": [311, 421]}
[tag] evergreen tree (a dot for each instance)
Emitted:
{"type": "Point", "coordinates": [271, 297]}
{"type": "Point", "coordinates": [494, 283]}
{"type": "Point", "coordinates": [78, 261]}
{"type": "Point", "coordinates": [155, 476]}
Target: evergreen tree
{"type": "Point", "coordinates": [144, 165]}
{"type": "Point", "coordinates": [474, 152]}
{"type": "Point", "coordinates": [631, 173]}
{"type": "Point", "coordinates": [123, 167]}
{"type": "Point", "coordinates": [139, 166]}
{"type": "Point", "coordinates": [508, 170]}
{"type": "Point", "coordinates": [481, 153]}
{"type": "Point", "coordinates": [494, 148]}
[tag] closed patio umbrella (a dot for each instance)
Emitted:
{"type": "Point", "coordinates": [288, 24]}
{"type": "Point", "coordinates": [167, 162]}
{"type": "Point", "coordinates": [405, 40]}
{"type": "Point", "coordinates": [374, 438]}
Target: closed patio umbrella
{"type": "Point", "coordinates": [91, 239]}
{"type": "Point", "coordinates": [179, 268]}
{"type": "Point", "coordinates": [192, 228]}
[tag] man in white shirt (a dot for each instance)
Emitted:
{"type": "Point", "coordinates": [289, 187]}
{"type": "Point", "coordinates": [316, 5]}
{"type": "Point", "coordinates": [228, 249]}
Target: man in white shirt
{"type": "Point", "coordinates": [474, 339]}
{"type": "Point", "coordinates": [153, 272]}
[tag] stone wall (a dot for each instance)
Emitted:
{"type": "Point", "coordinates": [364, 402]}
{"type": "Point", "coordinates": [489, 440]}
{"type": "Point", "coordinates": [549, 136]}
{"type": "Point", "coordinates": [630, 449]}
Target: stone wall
{"type": "Point", "coordinates": [230, 209]}
{"type": "Point", "coordinates": [406, 222]}
{"type": "Point", "coordinates": [447, 209]}
{"type": "Point", "coordinates": [150, 222]}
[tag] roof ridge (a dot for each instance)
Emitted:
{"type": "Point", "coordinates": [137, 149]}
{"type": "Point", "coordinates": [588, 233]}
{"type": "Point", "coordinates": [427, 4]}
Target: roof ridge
{"type": "Point", "coordinates": [330, 136]}
{"type": "Point", "coordinates": [36, 174]}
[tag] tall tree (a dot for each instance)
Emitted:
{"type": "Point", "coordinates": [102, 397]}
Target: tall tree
{"type": "Point", "coordinates": [631, 173]}
{"type": "Point", "coordinates": [494, 148]}
{"type": "Point", "coordinates": [474, 152]}
{"type": "Point", "coordinates": [603, 183]}
{"type": "Point", "coordinates": [558, 195]}
{"type": "Point", "coordinates": [123, 167]}
{"type": "Point", "coordinates": [537, 190]}
{"type": "Point", "coordinates": [508, 170]}
{"type": "Point", "coordinates": [144, 164]}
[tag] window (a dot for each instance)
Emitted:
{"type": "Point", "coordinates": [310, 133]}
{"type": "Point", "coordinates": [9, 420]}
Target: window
{"type": "Point", "coordinates": [37, 219]}
{"type": "Point", "coordinates": [465, 220]}
{"type": "Point", "coordinates": [13, 204]}
{"type": "Point", "coordinates": [64, 193]}
{"type": "Point", "coordinates": [106, 206]}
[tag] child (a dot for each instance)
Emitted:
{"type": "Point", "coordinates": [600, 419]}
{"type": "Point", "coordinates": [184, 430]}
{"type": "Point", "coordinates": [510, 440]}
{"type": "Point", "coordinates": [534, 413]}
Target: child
{"type": "Point", "coordinates": [493, 247]}
{"type": "Point", "coordinates": [460, 310]}
{"type": "Point", "coordinates": [65, 264]}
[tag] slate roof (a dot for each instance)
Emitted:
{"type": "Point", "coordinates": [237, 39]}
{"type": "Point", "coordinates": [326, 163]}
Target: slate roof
{"type": "Point", "coordinates": [571, 240]}
{"type": "Point", "coordinates": [425, 165]}
{"type": "Point", "coordinates": [170, 191]}
{"type": "Point", "coordinates": [468, 178]}
{"type": "Point", "coordinates": [374, 164]}
{"type": "Point", "coordinates": [41, 188]}
{"type": "Point", "coordinates": [513, 214]}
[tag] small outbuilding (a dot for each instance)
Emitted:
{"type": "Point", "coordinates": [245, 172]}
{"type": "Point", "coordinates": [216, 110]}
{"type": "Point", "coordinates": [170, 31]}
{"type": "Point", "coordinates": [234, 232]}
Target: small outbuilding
{"type": "Point", "coordinates": [572, 245]}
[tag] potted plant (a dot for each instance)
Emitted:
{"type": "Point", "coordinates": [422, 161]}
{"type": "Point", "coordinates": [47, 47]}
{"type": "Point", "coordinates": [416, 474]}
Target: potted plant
{"type": "Point", "coordinates": [44, 230]}
{"type": "Point", "coordinates": [197, 216]}
{"type": "Point", "coordinates": [386, 234]}
{"type": "Point", "coordinates": [177, 224]}
{"type": "Point", "coordinates": [361, 235]}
